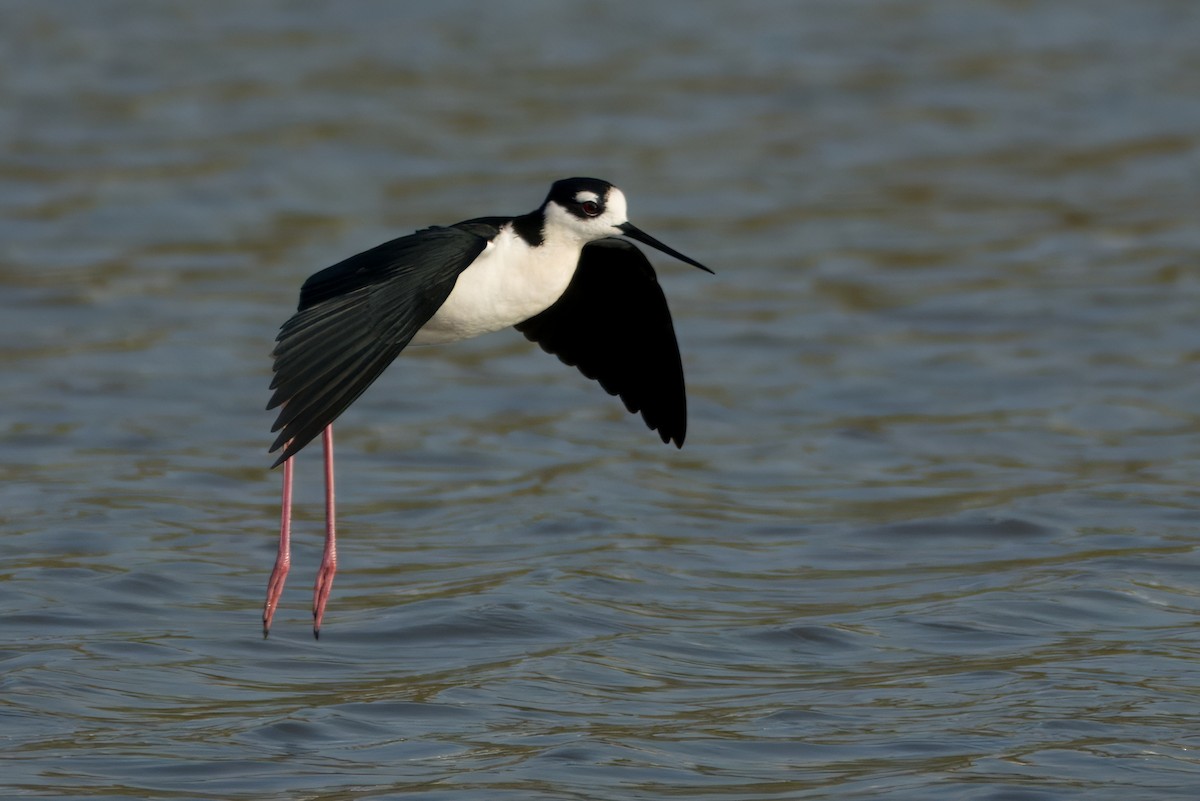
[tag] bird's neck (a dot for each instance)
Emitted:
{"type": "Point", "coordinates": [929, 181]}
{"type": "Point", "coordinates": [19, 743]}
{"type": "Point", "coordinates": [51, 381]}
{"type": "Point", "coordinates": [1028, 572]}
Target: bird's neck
{"type": "Point", "coordinates": [531, 228]}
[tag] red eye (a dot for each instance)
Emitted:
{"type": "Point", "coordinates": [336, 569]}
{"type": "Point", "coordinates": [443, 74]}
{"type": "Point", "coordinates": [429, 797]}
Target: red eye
{"type": "Point", "coordinates": [590, 207]}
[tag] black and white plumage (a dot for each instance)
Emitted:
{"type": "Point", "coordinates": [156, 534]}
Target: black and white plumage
{"type": "Point", "coordinates": [557, 274]}
{"type": "Point", "coordinates": [612, 323]}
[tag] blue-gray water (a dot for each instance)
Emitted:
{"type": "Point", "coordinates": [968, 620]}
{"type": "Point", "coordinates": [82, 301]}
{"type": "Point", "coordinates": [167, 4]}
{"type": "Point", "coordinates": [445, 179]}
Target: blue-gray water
{"type": "Point", "coordinates": [933, 533]}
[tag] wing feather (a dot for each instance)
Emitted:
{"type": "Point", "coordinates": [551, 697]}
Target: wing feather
{"type": "Point", "coordinates": [613, 324]}
{"type": "Point", "coordinates": [355, 318]}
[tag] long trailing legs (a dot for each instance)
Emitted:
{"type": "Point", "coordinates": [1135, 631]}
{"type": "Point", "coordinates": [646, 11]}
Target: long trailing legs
{"type": "Point", "coordinates": [283, 560]}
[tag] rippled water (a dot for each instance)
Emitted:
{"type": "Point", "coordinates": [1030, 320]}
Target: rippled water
{"type": "Point", "coordinates": [933, 535]}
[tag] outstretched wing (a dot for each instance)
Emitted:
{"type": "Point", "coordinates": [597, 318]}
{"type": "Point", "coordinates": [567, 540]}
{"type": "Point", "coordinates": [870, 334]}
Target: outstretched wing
{"type": "Point", "coordinates": [354, 318]}
{"type": "Point", "coordinates": [614, 325]}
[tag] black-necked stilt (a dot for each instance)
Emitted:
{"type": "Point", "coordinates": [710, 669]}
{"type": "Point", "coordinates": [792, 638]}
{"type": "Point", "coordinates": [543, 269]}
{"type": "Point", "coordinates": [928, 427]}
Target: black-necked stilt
{"type": "Point", "coordinates": [555, 273]}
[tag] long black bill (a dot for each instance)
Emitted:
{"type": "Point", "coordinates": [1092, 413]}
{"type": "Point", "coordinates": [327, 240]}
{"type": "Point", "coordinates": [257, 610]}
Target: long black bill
{"type": "Point", "coordinates": [633, 232]}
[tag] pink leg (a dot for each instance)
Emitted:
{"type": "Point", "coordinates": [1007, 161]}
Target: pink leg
{"type": "Point", "coordinates": [283, 560]}
{"type": "Point", "coordinates": [329, 557]}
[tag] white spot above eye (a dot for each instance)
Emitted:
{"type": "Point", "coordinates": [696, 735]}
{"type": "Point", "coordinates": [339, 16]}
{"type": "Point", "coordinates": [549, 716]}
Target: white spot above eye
{"type": "Point", "coordinates": [584, 197]}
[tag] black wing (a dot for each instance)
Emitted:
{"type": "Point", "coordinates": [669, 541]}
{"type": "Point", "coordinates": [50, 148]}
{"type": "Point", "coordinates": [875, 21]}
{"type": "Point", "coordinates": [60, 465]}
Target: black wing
{"type": "Point", "coordinates": [353, 320]}
{"type": "Point", "coordinates": [613, 324]}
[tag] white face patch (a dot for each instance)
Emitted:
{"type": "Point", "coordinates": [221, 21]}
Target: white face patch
{"type": "Point", "coordinates": [617, 208]}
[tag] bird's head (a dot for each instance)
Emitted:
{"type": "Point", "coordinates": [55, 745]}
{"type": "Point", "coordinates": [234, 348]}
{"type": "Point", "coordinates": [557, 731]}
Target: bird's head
{"type": "Point", "coordinates": [590, 209]}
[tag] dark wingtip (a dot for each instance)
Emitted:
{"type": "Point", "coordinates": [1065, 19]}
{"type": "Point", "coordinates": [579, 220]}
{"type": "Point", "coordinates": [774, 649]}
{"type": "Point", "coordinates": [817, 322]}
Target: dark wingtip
{"type": "Point", "coordinates": [671, 439]}
{"type": "Point", "coordinates": [289, 449]}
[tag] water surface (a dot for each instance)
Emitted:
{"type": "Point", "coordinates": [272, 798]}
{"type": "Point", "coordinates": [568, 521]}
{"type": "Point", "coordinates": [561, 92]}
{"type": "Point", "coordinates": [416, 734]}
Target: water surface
{"type": "Point", "coordinates": [933, 534]}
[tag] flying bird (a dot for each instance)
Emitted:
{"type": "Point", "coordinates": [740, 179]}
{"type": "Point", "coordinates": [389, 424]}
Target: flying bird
{"type": "Point", "coordinates": [558, 274]}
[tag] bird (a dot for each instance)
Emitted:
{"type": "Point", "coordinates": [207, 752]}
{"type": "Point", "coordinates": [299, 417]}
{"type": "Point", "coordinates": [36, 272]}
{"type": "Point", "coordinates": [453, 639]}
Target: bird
{"type": "Point", "coordinates": [564, 275]}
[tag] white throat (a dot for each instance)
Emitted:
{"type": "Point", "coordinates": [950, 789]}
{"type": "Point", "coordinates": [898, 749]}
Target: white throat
{"type": "Point", "coordinates": [508, 283]}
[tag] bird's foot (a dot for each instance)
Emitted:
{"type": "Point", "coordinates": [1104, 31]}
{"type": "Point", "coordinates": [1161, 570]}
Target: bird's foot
{"type": "Point", "coordinates": [321, 593]}
{"type": "Point", "coordinates": [274, 591]}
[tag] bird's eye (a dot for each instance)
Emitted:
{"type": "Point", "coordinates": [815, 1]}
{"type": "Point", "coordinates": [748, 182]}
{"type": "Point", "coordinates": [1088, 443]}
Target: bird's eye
{"type": "Point", "coordinates": [590, 207]}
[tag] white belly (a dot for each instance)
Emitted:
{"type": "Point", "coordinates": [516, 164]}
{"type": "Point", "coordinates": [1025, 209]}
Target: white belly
{"type": "Point", "coordinates": [508, 283]}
